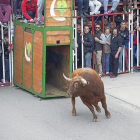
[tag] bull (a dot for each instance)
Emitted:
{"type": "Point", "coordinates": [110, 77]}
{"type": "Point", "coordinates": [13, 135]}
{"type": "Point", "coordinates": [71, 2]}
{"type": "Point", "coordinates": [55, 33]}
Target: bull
{"type": "Point", "coordinates": [87, 84]}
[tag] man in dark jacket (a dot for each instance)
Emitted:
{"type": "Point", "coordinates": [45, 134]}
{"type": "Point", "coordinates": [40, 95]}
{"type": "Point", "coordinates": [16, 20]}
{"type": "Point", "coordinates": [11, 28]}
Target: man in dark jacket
{"type": "Point", "coordinates": [79, 56]}
{"type": "Point", "coordinates": [5, 6]}
{"type": "Point", "coordinates": [99, 40]}
{"type": "Point", "coordinates": [116, 45]}
{"type": "Point", "coordinates": [88, 43]}
{"type": "Point", "coordinates": [123, 31]}
{"type": "Point", "coordinates": [29, 9]}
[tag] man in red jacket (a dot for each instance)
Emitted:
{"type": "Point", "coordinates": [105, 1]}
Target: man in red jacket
{"type": "Point", "coordinates": [29, 9]}
{"type": "Point", "coordinates": [5, 6]}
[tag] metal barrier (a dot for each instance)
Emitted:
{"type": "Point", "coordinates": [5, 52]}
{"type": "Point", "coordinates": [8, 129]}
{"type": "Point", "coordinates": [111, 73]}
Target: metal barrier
{"type": "Point", "coordinates": [130, 50]}
{"type": "Point", "coordinates": [10, 24]}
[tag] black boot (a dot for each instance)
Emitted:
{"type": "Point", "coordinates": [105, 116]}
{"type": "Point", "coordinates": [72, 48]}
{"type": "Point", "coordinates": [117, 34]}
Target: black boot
{"type": "Point", "coordinates": [81, 14]}
{"type": "Point", "coordinates": [85, 14]}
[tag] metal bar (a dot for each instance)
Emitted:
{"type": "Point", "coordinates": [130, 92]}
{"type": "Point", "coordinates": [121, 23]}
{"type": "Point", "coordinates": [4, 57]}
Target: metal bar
{"type": "Point", "coordinates": [75, 41]}
{"type": "Point", "coordinates": [113, 21]}
{"type": "Point", "coordinates": [121, 13]}
{"type": "Point", "coordinates": [93, 35]}
{"type": "Point", "coordinates": [71, 39]}
{"type": "Point", "coordinates": [73, 53]}
{"type": "Point", "coordinates": [129, 49]}
{"type": "Point", "coordinates": [123, 68]}
{"type": "Point", "coordinates": [132, 42]}
{"type": "Point", "coordinates": [138, 38]}
{"type": "Point", "coordinates": [82, 47]}
{"type": "Point", "coordinates": [44, 64]}
{"type": "Point", "coordinates": [10, 60]}
{"type": "Point", "coordinates": [2, 36]}
{"type": "Point", "coordinates": [103, 53]}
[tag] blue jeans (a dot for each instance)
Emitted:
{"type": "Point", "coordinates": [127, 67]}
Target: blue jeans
{"type": "Point", "coordinates": [88, 57]}
{"type": "Point", "coordinates": [107, 56]}
{"type": "Point", "coordinates": [114, 6]}
{"type": "Point", "coordinates": [80, 3]}
{"type": "Point", "coordinates": [134, 53]}
{"type": "Point", "coordinates": [120, 58]}
{"type": "Point", "coordinates": [31, 14]}
{"type": "Point", "coordinates": [7, 75]}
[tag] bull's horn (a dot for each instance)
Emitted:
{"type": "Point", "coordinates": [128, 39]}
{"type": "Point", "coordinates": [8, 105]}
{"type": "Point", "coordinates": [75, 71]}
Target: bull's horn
{"type": "Point", "coordinates": [84, 82]}
{"type": "Point", "coordinates": [68, 79]}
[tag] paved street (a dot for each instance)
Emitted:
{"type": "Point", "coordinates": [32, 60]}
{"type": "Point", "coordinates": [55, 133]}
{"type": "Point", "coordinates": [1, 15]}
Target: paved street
{"type": "Point", "coordinates": [25, 117]}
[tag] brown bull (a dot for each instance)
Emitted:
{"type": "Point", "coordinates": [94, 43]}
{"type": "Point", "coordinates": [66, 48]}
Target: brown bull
{"type": "Point", "coordinates": [90, 88]}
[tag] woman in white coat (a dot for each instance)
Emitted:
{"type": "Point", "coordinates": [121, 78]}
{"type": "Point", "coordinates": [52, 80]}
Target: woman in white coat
{"type": "Point", "coordinates": [94, 6]}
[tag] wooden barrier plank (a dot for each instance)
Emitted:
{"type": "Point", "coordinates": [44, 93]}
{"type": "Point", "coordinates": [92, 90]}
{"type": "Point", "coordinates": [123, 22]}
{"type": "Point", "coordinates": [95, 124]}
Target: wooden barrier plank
{"type": "Point", "coordinates": [37, 65]}
{"type": "Point", "coordinates": [37, 81]}
{"type": "Point", "coordinates": [27, 84]}
{"type": "Point", "coordinates": [60, 32]}
{"type": "Point", "coordinates": [37, 73]}
{"type": "Point", "coordinates": [27, 69]}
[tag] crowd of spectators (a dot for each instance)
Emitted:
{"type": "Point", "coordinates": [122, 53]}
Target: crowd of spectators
{"type": "Point", "coordinates": [108, 40]}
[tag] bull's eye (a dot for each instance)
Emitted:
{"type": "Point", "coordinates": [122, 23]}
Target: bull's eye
{"type": "Point", "coordinates": [75, 85]}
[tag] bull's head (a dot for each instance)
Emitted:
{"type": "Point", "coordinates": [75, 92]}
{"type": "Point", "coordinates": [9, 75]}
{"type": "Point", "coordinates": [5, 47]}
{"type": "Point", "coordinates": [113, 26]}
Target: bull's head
{"type": "Point", "coordinates": [75, 83]}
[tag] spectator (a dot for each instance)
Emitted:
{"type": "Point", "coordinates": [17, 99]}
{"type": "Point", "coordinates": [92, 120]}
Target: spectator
{"type": "Point", "coordinates": [137, 55]}
{"type": "Point", "coordinates": [80, 3]}
{"type": "Point", "coordinates": [79, 21]}
{"type": "Point", "coordinates": [107, 48]}
{"type": "Point", "coordinates": [114, 6]}
{"type": "Point", "coordinates": [94, 7]}
{"type": "Point", "coordinates": [1, 72]}
{"type": "Point", "coordinates": [5, 6]}
{"type": "Point", "coordinates": [98, 45]}
{"type": "Point", "coordinates": [123, 31]}
{"type": "Point", "coordinates": [40, 4]}
{"type": "Point", "coordinates": [106, 23]}
{"type": "Point", "coordinates": [17, 8]}
{"type": "Point", "coordinates": [116, 45]}
{"type": "Point", "coordinates": [88, 43]}
{"type": "Point", "coordinates": [126, 6]}
{"type": "Point", "coordinates": [6, 56]}
{"type": "Point", "coordinates": [79, 57]}
{"type": "Point", "coordinates": [118, 18]}
{"type": "Point", "coordinates": [134, 42]}
{"type": "Point", "coordinates": [90, 26]}
{"type": "Point", "coordinates": [29, 10]}
{"type": "Point", "coordinates": [111, 26]}
{"type": "Point", "coordinates": [85, 23]}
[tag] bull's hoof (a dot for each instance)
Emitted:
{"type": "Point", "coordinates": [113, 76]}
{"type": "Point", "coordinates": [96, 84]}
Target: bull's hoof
{"type": "Point", "coordinates": [73, 114]}
{"type": "Point", "coordinates": [95, 120]}
{"type": "Point", "coordinates": [108, 115]}
{"type": "Point", "coordinates": [98, 109]}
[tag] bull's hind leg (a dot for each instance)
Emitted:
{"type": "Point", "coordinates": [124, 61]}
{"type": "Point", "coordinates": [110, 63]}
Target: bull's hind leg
{"type": "Point", "coordinates": [103, 101]}
{"type": "Point", "coordinates": [95, 119]}
{"type": "Point", "coordinates": [73, 106]}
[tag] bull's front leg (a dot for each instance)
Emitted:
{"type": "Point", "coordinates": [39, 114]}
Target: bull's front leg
{"type": "Point", "coordinates": [73, 106]}
{"type": "Point", "coordinates": [98, 109]}
{"type": "Point", "coordinates": [95, 119]}
{"type": "Point", "coordinates": [103, 101]}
